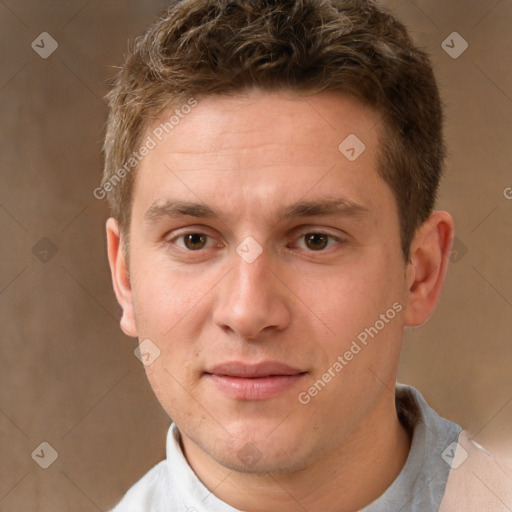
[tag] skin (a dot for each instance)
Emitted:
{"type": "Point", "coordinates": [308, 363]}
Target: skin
{"type": "Point", "coordinates": [248, 158]}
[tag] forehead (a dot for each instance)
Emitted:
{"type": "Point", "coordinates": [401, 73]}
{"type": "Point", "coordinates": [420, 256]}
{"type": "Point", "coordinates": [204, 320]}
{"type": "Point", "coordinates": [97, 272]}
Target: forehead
{"type": "Point", "coordinates": [277, 120]}
{"type": "Point", "coordinates": [272, 148]}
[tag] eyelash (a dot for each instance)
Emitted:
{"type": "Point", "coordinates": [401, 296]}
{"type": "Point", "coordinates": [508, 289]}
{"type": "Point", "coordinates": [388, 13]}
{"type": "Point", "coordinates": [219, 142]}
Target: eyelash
{"type": "Point", "coordinates": [330, 237]}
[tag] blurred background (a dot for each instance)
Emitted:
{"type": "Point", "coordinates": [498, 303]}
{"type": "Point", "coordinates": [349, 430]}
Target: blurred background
{"type": "Point", "coordinates": [69, 377]}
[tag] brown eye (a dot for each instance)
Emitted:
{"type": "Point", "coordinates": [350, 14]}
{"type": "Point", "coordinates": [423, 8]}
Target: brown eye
{"type": "Point", "coordinates": [195, 241]}
{"type": "Point", "coordinates": [316, 241]}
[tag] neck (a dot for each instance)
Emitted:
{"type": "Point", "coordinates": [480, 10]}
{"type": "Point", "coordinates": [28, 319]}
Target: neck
{"type": "Point", "coordinates": [349, 477]}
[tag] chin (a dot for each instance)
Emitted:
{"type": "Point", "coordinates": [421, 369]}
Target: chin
{"type": "Point", "coordinates": [260, 453]}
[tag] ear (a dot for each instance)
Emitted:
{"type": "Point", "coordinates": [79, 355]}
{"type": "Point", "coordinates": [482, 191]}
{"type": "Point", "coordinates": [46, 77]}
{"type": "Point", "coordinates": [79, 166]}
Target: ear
{"type": "Point", "coordinates": [426, 271]}
{"type": "Point", "coordinates": [120, 277]}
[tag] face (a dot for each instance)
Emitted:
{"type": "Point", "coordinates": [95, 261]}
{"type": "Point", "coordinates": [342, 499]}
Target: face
{"type": "Point", "coordinates": [266, 267]}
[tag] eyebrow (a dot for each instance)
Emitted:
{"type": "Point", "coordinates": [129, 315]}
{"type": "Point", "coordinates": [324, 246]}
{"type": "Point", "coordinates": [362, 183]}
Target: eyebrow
{"type": "Point", "coordinates": [175, 208]}
{"type": "Point", "coordinates": [339, 206]}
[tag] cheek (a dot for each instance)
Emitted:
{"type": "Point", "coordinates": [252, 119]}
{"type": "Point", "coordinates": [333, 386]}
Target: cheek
{"type": "Point", "coordinates": [165, 296]}
{"type": "Point", "coordinates": [353, 298]}
{"type": "Point", "coordinates": [363, 306]}
{"type": "Point", "coordinates": [170, 310]}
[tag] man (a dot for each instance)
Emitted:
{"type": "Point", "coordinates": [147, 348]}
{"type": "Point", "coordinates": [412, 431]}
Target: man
{"type": "Point", "coordinates": [272, 169]}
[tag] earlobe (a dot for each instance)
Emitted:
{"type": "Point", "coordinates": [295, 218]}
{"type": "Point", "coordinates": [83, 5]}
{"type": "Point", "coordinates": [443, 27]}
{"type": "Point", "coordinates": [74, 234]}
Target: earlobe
{"type": "Point", "coordinates": [430, 252]}
{"type": "Point", "coordinates": [120, 277]}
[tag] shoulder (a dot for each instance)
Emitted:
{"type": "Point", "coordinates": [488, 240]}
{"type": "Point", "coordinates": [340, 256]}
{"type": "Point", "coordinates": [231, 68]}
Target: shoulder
{"type": "Point", "coordinates": [478, 481]}
{"type": "Point", "coordinates": [147, 493]}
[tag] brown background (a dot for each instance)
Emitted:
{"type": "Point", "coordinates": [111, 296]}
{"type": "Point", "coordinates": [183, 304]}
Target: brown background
{"type": "Point", "coordinates": [68, 374]}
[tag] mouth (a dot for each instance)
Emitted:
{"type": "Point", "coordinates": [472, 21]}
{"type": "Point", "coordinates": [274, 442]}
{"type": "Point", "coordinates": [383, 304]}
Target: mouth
{"type": "Point", "coordinates": [254, 381]}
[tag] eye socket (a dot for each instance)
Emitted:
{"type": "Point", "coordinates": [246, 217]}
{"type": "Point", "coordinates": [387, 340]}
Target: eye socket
{"type": "Point", "coordinates": [317, 241]}
{"type": "Point", "coordinates": [314, 241]}
{"type": "Point", "coordinates": [193, 241]}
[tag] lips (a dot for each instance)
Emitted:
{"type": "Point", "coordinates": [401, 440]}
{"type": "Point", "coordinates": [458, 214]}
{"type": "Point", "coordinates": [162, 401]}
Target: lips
{"type": "Point", "coordinates": [253, 381]}
{"type": "Point", "coordinates": [251, 371]}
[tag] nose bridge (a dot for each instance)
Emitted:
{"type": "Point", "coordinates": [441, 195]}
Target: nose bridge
{"type": "Point", "coordinates": [250, 299]}
{"type": "Point", "coordinates": [251, 281]}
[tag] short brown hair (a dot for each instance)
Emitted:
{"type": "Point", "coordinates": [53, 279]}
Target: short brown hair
{"type": "Point", "coordinates": [207, 47]}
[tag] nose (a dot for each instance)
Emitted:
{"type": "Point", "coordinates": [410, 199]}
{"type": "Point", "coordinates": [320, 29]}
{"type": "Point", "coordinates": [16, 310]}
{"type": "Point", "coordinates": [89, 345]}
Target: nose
{"type": "Point", "coordinates": [251, 300]}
